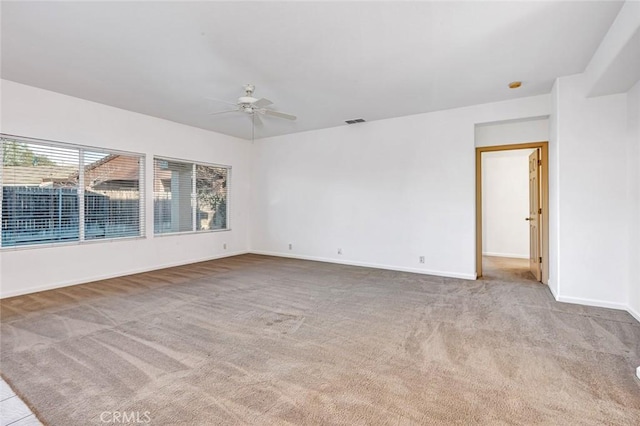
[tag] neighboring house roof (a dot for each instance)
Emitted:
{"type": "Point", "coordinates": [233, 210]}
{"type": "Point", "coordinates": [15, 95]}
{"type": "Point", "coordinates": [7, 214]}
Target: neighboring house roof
{"type": "Point", "coordinates": [112, 168]}
{"type": "Point", "coordinates": [37, 175]}
{"type": "Point", "coordinates": [120, 169]}
{"type": "Point", "coordinates": [109, 168]}
{"type": "Point", "coordinates": [111, 171]}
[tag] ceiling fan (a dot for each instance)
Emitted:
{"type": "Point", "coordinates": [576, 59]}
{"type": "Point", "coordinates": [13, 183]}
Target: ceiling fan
{"type": "Point", "coordinates": [254, 107]}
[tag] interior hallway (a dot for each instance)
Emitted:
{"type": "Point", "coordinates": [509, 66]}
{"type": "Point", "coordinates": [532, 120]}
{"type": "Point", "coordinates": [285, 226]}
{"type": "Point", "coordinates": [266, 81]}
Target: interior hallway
{"type": "Point", "coordinates": [506, 269]}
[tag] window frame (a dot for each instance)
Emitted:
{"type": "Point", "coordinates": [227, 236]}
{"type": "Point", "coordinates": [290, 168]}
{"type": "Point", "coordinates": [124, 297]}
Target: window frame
{"type": "Point", "coordinates": [193, 194]}
{"type": "Point", "coordinates": [142, 189]}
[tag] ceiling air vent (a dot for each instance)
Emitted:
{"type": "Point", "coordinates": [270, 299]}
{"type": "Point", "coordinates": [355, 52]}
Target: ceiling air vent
{"type": "Point", "coordinates": [357, 120]}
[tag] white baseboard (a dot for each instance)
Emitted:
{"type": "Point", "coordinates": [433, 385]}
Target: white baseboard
{"type": "Point", "coordinates": [511, 255]}
{"type": "Point", "coordinates": [636, 315]}
{"type": "Point", "coordinates": [559, 298]}
{"type": "Point", "coordinates": [593, 302]}
{"type": "Point", "coordinates": [69, 283]}
{"type": "Point", "coordinates": [369, 265]}
{"type": "Point", "coordinates": [551, 289]}
{"type": "Point", "coordinates": [598, 303]}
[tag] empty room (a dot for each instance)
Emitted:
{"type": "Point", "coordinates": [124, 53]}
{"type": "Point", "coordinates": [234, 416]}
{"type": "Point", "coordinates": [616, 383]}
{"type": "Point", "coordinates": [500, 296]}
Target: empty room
{"type": "Point", "coordinates": [310, 213]}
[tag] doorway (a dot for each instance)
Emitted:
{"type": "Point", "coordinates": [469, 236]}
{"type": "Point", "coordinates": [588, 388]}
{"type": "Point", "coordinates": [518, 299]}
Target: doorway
{"type": "Point", "coordinates": [537, 258]}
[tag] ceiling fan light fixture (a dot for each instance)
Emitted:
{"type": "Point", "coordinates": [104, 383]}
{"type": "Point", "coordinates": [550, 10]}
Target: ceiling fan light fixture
{"type": "Point", "coordinates": [253, 108]}
{"type": "Point", "coordinates": [249, 88]}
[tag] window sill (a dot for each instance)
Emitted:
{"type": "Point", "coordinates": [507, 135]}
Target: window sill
{"type": "Point", "coordinates": [208, 231]}
{"type": "Point", "coordinates": [69, 244]}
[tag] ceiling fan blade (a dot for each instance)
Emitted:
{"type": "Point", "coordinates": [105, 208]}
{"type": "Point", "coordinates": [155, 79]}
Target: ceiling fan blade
{"type": "Point", "coordinates": [262, 102]}
{"type": "Point", "coordinates": [222, 101]}
{"type": "Point", "coordinates": [223, 112]}
{"type": "Point", "coordinates": [279, 114]}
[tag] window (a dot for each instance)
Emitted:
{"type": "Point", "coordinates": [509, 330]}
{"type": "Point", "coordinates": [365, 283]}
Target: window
{"type": "Point", "coordinates": [56, 193]}
{"type": "Point", "coordinates": [189, 197]}
{"type": "Point", "coordinates": [112, 189]}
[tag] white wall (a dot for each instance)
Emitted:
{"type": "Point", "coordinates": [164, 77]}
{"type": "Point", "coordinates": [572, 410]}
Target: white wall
{"type": "Point", "coordinates": [511, 132]}
{"type": "Point", "coordinates": [31, 112]}
{"type": "Point", "coordinates": [633, 155]}
{"type": "Point", "coordinates": [554, 191]}
{"type": "Point", "coordinates": [593, 206]}
{"type": "Point", "coordinates": [505, 203]}
{"type": "Point", "coordinates": [385, 192]}
{"type": "Point", "coordinates": [614, 67]}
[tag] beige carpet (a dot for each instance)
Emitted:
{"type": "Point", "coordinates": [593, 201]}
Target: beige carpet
{"type": "Point", "coordinates": [262, 340]}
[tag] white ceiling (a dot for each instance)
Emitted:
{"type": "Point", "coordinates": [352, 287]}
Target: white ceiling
{"type": "Point", "coordinates": [325, 62]}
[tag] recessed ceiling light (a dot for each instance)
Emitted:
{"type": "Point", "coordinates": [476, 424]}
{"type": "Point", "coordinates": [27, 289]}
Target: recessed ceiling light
{"type": "Point", "coordinates": [515, 84]}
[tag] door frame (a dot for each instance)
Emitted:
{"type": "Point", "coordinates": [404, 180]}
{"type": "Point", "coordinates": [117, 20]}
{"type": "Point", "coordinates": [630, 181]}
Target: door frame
{"type": "Point", "coordinates": [544, 200]}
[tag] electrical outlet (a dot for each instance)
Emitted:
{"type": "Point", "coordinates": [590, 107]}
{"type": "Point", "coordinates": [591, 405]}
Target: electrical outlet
{"type": "Point", "coordinates": [638, 372]}
{"type": "Point", "coordinates": [339, 251]}
{"type": "Point", "coordinates": [290, 246]}
{"type": "Point", "coordinates": [224, 246]}
{"type": "Point", "coordinates": [421, 259]}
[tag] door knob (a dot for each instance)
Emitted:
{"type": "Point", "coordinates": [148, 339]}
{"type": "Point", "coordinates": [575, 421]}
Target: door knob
{"type": "Point", "coordinates": [528, 218]}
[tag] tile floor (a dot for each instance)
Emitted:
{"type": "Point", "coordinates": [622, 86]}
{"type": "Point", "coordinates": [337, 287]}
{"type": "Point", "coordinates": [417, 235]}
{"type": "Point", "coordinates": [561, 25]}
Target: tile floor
{"type": "Point", "coordinates": [13, 411]}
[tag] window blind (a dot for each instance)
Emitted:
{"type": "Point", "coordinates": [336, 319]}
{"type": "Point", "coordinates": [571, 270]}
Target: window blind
{"type": "Point", "coordinates": [57, 193]}
{"type": "Point", "coordinates": [112, 187]}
